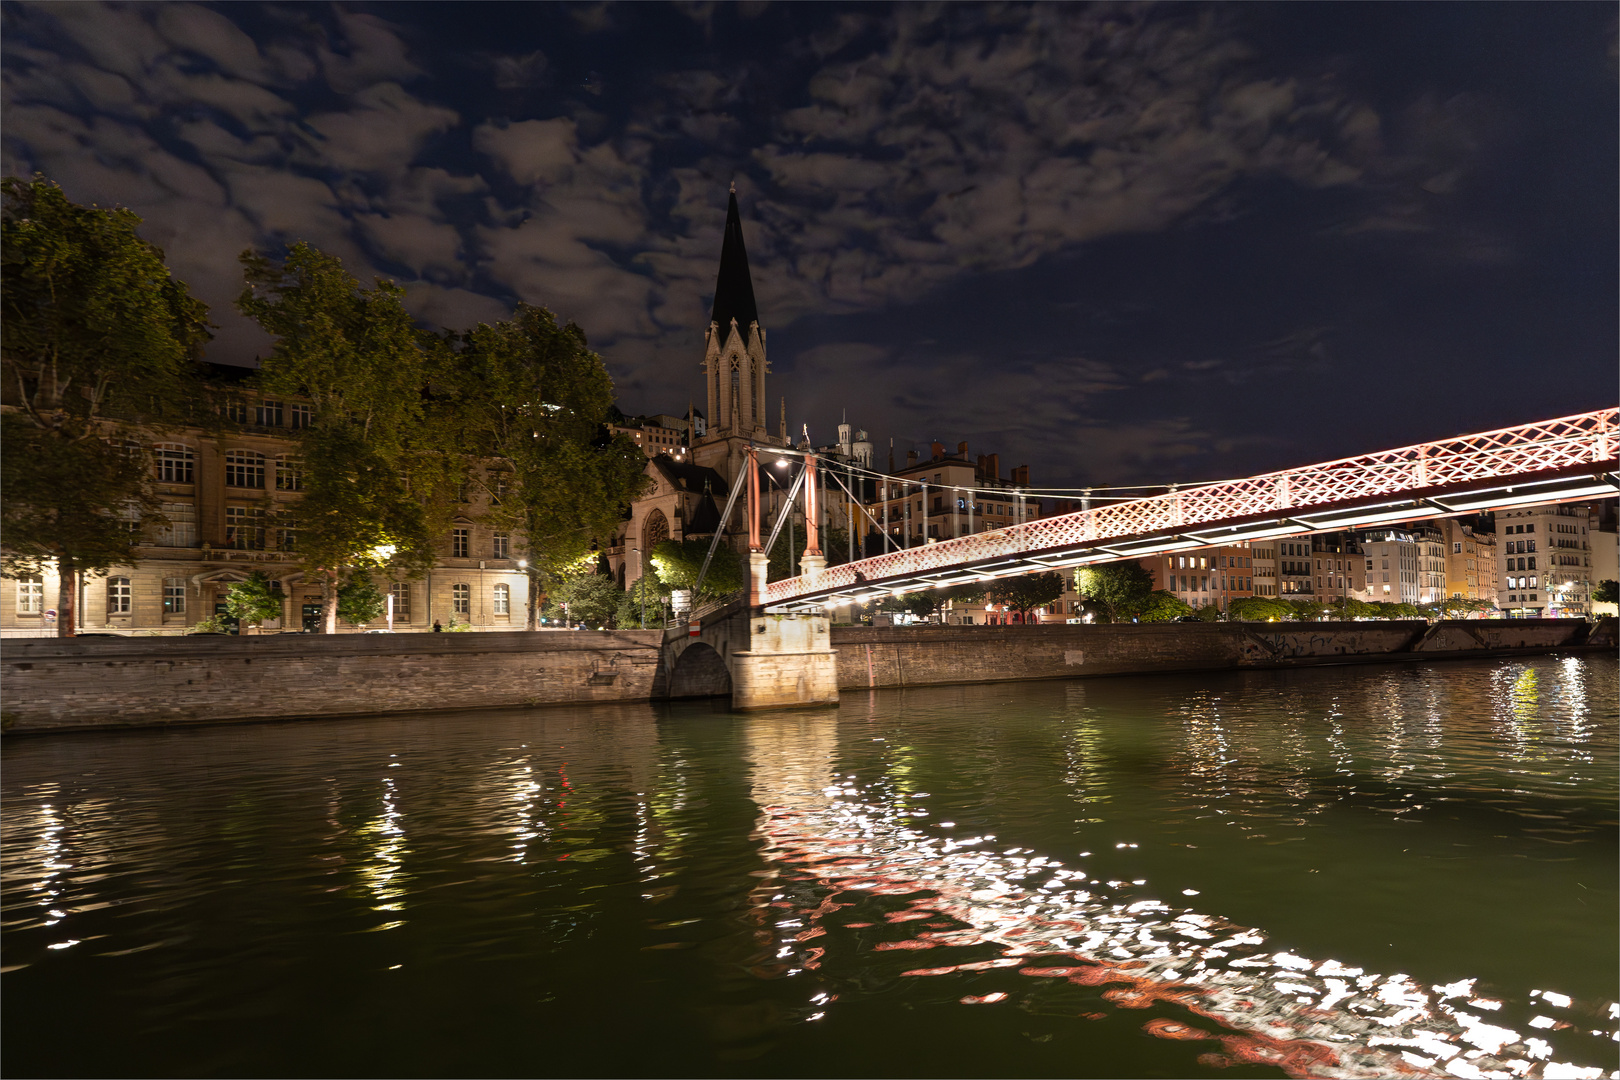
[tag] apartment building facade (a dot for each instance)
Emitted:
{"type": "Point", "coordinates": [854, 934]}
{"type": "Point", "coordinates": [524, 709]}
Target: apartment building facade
{"type": "Point", "coordinates": [1391, 564]}
{"type": "Point", "coordinates": [231, 500]}
{"type": "Point", "coordinates": [1545, 560]}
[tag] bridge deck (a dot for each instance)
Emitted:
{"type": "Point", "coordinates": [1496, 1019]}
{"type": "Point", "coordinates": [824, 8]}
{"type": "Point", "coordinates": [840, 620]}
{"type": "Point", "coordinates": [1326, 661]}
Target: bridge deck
{"type": "Point", "coordinates": [1571, 457]}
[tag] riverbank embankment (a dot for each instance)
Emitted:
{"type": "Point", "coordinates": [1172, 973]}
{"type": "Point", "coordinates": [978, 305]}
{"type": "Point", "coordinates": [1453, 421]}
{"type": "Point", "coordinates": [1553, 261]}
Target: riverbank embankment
{"type": "Point", "coordinates": [100, 683]}
{"type": "Point", "coordinates": [62, 684]}
{"type": "Point", "coordinates": [882, 658]}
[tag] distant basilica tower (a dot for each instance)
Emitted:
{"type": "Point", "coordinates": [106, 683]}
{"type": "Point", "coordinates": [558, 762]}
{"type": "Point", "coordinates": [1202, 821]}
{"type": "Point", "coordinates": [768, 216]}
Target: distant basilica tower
{"type": "Point", "coordinates": [734, 363]}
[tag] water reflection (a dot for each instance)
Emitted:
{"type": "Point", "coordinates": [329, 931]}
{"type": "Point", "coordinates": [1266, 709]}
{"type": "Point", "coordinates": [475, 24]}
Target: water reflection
{"type": "Point", "coordinates": [694, 889]}
{"type": "Point", "coordinates": [847, 837]}
{"type": "Point", "coordinates": [382, 872]}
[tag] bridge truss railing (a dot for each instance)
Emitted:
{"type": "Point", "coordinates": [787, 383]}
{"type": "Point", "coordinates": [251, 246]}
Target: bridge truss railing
{"type": "Point", "coordinates": [1450, 476]}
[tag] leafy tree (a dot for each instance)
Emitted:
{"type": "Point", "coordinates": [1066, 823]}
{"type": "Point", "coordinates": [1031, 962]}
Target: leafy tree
{"type": "Point", "coordinates": [379, 464]}
{"type": "Point", "coordinates": [1121, 589]}
{"type": "Point", "coordinates": [1306, 610]}
{"type": "Point", "coordinates": [1386, 610]}
{"type": "Point", "coordinates": [1210, 612]}
{"type": "Point", "coordinates": [1456, 607]}
{"type": "Point", "coordinates": [679, 561]}
{"type": "Point", "coordinates": [531, 393]}
{"type": "Point", "coordinates": [646, 597]}
{"type": "Point", "coordinates": [1348, 607]}
{"type": "Point", "coordinates": [212, 624]}
{"type": "Point", "coordinates": [921, 604]}
{"type": "Point", "coordinates": [1163, 606]}
{"type": "Point", "coordinates": [1026, 592]}
{"type": "Point", "coordinates": [255, 600]}
{"type": "Point", "coordinates": [360, 601]}
{"type": "Point", "coordinates": [1259, 609]}
{"type": "Point", "coordinates": [92, 328]}
{"type": "Point", "coordinates": [592, 598]}
{"type": "Point", "coordinates": [1607, 591]}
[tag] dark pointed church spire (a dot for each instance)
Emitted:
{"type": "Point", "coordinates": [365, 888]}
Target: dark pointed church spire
{"type": "Point", "coordinates": [734, 288]}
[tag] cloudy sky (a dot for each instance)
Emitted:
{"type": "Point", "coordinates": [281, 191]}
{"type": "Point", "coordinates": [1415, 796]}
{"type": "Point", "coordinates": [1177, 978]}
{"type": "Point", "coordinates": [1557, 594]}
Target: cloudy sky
{"type": "Point", "coordinates": [1123, 244]}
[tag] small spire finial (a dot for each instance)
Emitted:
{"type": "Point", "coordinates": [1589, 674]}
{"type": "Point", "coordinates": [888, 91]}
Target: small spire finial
{"type": "Point", "coordinates": [734, 187]}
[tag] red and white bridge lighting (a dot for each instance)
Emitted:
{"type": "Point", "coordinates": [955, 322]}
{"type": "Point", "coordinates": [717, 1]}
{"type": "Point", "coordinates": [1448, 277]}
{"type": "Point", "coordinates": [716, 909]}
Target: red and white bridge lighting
{"type": "Point", "coordinates": [1561, 460]}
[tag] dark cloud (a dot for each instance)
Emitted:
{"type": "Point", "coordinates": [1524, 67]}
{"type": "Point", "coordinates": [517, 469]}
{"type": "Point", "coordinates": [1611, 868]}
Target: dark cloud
{"type": "Point", "coordinates": [910, 175]}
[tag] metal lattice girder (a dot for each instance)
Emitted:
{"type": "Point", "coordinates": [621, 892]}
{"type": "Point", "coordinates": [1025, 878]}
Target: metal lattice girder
{"type": "Point", "coordinates": [1571, 457]}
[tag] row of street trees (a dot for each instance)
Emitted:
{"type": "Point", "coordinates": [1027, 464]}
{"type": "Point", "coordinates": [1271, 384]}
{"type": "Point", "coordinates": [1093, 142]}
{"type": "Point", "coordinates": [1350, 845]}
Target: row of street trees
{"type": "Point", "coordinates": [100, 347]}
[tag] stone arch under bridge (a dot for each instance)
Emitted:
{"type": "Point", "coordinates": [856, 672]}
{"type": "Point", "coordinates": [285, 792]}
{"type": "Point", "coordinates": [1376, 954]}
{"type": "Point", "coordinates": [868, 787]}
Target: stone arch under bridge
{"type": "Point", "coordinates": [762, 661]}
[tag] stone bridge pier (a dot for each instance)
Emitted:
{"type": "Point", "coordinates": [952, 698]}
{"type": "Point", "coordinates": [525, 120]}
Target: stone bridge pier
{"type": "Point", "coordinates": [763, 660]}
{"type": "Point", "coordinates": [758, 660]}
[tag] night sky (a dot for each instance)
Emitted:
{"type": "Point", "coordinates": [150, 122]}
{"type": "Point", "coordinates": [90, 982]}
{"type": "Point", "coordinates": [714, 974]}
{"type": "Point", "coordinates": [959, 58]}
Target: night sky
{"type": "Point", "coordinates": [1122, 244]}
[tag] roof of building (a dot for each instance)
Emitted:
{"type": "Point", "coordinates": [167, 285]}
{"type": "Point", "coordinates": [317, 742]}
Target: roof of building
{"type": "Point", "coordinates": [685, 476]}
{"type": "Point", "coordinates": [705, 520]}
{"type": "Point", "coordinates": [733, 287]}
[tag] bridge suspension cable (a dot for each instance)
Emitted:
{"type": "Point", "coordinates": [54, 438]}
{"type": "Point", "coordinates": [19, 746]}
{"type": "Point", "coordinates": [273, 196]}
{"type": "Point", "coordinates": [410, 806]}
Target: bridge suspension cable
{"type": "Point", "coordinates": [1557, 460]}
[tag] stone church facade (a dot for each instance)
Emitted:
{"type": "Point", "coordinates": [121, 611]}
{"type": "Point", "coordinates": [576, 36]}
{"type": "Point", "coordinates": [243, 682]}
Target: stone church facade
{"type": "Point", "coordinates": [689, 493]}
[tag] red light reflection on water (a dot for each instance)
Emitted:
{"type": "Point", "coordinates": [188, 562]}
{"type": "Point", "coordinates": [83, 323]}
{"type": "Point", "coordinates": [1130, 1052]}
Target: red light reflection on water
{"type": "Point", "coordinates": [1308, 1018]}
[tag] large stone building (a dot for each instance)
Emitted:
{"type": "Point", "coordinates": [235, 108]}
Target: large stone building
{"type": "Point", "coordinates": [1391, 565]}
{"type": "Point", "coordinates": [1544, 557]}
{"type": "Point", "coordinates": [1470, 560]}
{"type": "Point", "coordinates": [230, 496]}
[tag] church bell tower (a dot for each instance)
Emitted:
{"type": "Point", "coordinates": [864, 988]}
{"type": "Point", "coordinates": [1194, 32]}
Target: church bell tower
{"type": "Point", "coordinates": [734, 363]}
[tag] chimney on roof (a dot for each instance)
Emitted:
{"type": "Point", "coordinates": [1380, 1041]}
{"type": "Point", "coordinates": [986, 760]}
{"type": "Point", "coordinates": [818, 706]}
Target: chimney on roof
{"type": "Point", "coordinates": [938, 449]}
{"type": "Point", "coordinates": [911, 458]}
{"type": "Point", "coordinates": [1020, 476]}
{"type": "Point", "coordinates": [961, 450]}
{"type": "Point", "coordinates": [992, 466]}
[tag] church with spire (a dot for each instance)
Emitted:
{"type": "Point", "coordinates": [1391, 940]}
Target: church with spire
{"type": "Point", "coordinates": [734, 360]}
{"type": "Point", "coordinates": [689, 488]}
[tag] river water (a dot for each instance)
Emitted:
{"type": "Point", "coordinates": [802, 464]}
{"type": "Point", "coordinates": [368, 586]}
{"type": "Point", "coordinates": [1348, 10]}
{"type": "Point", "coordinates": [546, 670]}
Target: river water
{"type": "Point", "coordinates": [1337, 872]}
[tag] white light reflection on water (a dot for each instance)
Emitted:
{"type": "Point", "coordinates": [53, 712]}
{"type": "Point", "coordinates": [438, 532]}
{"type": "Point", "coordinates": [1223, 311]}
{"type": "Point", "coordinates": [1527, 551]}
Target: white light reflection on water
{"type": "Point", "coordinates": [383, 871]}
{"type": "Point", "coordinates": [1047, 920]}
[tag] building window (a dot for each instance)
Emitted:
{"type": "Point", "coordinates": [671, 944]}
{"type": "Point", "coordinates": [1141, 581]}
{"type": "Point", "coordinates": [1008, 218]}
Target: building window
{"type": "Point", "coordinates": [286, 532]}
{"type": "Point", "coordinates": [300, 416]}
{"type": "Point", "coordinates": [402, 601]}
{"type": "Point", "coordinates": [244, 528]}
{"type": "Point", "coordinates": [181, 531]}
{"type": "Point", "coordinates": [236, 412]}
{"type": "Point", "coordinates": [174, 596]}
{"type": "Point", "coordinates": [500, 482]}
{"type": "Point", "coordinates": [501, 545]}
{"type": "Point", "coordinates": [289, 474]}
{"type": "Point", "coordinates": [268, 414]}
{"type": "Point", "coordinates": [503, 599]}
{"type": "Point", "coordinates": [461, 599]}
{"type": "Point", "coordinates": [118, 596]}
{"type": "Point", "coordinates": [460, 543]}
{"type": "Point", "coordinates": [30, 595]}
{"type": "Point", "coordinates": [244, 469]}
{"type": "Point", "coordinates": [173, 463]}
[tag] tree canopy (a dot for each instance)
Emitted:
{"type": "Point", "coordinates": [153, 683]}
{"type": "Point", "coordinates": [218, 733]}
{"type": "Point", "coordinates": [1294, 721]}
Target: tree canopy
{"type": "Point", "coordinates": [678, 563]}
{"type": "Point", "coordinates": [1026, 592]}
{"type": "Point", "coordinates": [1121, 589]}
{"type": "Point", "coordinates": [255, 601]}
{"type": "Point", "coordinates": [530, 392]}
{"type": "Point", "coordinates": [379, 465]}
{"type": "Point", "coordinates": [1163, 606]}
{"type": "Point", "coordinates": [93, 328]}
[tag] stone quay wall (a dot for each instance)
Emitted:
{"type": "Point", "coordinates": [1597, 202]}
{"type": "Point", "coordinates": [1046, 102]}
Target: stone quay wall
{"type": "Point", "coordinates": [884, 657]}
{"type": "Point", "coordinates": [100, 683]}
{"type": "Point", "coordinates": [62, 684]}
